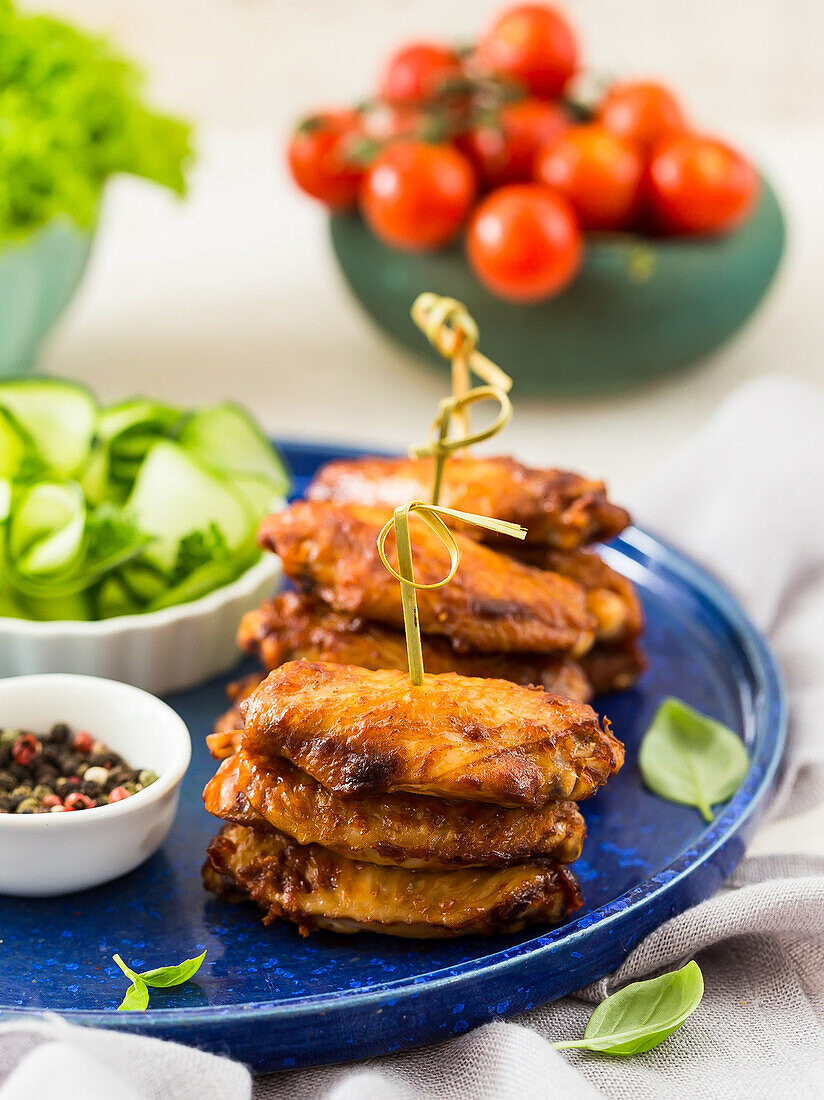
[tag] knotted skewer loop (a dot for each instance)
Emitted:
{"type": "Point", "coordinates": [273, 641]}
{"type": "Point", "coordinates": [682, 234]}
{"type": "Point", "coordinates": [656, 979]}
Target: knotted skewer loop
{"type": "Point", "coordinates": [405, 574]}
{"type": "Point", "coordinates": [450, 329]}
{"type": "Point", "coordinates": [441, 446]}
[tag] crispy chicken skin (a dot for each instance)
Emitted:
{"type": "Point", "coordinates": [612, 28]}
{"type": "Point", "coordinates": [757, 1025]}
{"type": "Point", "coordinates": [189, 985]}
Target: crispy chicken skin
{"type": "Point", "coordinates": [225, 736]}
{"type": "Point", "coordinates": [360, 732]}
{"type": "Point", "coordinates": [611, 597]}
{"type": "Point", "coordinates": [405, 830]}
{"type": "Point", "coordinates": [558, 508]}
{"type": "Point", "coordinates": [293, 626]}
{"type": "Point", "coordinates": [494, 604]}
{"type": "Point", "coordinates": [614, 668]}
{"type": "Point", "coordinates": [315, 888]}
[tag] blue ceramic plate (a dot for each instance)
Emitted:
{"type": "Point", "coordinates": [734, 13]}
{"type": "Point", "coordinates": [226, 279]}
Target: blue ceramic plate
{"type": "Point", "coordinates": [275, 1000]}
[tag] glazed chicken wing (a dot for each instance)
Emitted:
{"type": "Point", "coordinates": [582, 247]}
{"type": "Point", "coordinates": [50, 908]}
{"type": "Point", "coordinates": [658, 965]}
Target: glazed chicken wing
{"type": "Point", "coordinates": [315, 888]}
{"type": "Point", "coordinates": [611, 597]}
{"type": "Point", "coordinates": [406, 830]}
{"type": "Point", "coordinates": [557, 508]}
{"type": "Point", "coordinates": [293, 626]}
{"type": "Point", "coordinates": [614, 668]}
{"type": "Point", "coordinates": [494, 604]}
{"type": "Point", "coordinates": [360, 732]}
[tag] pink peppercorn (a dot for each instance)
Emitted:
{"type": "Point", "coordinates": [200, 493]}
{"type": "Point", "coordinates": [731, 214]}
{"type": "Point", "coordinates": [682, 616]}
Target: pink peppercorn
{"type": "Point", "coordinates": [24, 749]}
{"type": "Point", "coordinates": [77, 801]}
{"type": "Point", "coordinates": [83, 742]}
{"type": "Point", "coordinates": [118, 794]}
{"type": "Point", "coordinates": [50, 800]}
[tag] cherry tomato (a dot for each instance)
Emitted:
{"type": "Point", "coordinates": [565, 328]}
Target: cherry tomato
{"type": "Point", "coordinates": [419, 72]}
{"type": "Point", "coordinates": [533, 45]}
{"type": "Point", "coordinates": [505, 151]}
{"type": "Point", "coordinates": [416, 196]}
{"type": "Point", "coordinates": [700, 185]}
{"type": "Point", "coordinates": [600, 174]}
{"type": "Point", "coordinates": [642, 112]}
{"type": "Point", "coordinates": [317, 156]}
{"type": "Point", "coordinates": [523, 242]}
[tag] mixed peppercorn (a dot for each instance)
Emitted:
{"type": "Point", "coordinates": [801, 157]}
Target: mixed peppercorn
{"type": "Point", "coordinates": [63, 771]}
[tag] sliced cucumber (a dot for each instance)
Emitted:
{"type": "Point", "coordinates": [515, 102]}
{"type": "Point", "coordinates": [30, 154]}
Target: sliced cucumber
{"type": "Point", "coordinates": [113, 598]}
{"type": "Point", "coordinates": [260, 494]}
{"type": "Point", "coordinates": [58, 416]}
{"type": "Point", "coordinates": [46, 533]}
{"type": "Point", "coordinates": [13, 446]}
{"type": "Point", "coordinates": [204, 579]}
{"type": "Point", "coordinates": [226, 438]}
{"type": "Point", "coordinates": [176, 494]}
{"type": "Point", "coordinates": [144, 582]}
{"type": "Point", "coordinates": [6, 491]}
{"type": "Point", "coordinates": [59, 608]}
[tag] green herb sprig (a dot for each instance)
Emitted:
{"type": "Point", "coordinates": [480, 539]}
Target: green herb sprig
{"type": "Point", "coordinates": [642, 1015]}
{"type": "Point", "coordinates": [689, 758]}
{"type": "Point", "coordinates": [162, 977]}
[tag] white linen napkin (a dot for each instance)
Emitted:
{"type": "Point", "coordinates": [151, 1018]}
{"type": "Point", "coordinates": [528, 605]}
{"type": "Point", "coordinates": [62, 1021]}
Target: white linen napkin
{"type": "Point", "coordinates": [745, 497]}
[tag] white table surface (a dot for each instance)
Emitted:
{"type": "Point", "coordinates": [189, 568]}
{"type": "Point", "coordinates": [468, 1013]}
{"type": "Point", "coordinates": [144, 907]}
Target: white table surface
{"type": "Point", "coordinates": [233, 293]}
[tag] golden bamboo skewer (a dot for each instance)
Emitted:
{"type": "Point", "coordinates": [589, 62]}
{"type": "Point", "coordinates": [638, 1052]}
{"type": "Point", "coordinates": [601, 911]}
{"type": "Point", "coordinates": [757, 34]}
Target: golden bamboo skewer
{"type": "Point", "coordinates": [450, 329]}
{"type": "Point", "coordinates": [405, 574]}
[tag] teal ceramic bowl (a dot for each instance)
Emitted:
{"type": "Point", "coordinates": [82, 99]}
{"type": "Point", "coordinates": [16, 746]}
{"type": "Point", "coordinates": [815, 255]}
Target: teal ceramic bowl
{"type": "Point", "coordinates": [38, 276]}
{"type": "Point", "coordinates": [640, 308]}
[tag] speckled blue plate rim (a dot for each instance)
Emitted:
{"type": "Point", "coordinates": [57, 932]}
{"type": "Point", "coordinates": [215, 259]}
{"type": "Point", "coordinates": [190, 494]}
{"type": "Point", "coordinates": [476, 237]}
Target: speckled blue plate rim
{"type": "Point", "coordinates": [642, 905]}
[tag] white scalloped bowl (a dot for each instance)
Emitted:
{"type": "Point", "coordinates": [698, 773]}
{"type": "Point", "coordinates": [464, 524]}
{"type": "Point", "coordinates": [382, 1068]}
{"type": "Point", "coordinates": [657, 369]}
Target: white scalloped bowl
{"type": "Point", "coordinates": [161, 651]}
{"type": "Point", "coordinates": [42, 855]}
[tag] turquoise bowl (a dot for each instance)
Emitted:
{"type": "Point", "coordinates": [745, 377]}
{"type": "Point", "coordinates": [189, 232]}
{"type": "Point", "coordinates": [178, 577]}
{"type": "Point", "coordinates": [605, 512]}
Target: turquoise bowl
{"type": "Point", "coordinates": [38, 276]}
{"type": "Point", "coordinates": [640, 308]}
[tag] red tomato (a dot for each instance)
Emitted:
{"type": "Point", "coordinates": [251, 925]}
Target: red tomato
{"type": "Point", "coordinates": [642, 112]}
{"type": "Point", "coordinates": [505, 153]}
{"type": "Point", "coordinates": [418, 73]}
{"type": "Point", "coordinates": [523, 242]}
{"type": "Point", "coordinates": [700, 185]}
{"type": "Point", "coordinates": [599, 173]}
{"type": "Point", "coordinates": [533, 45]}
{"type": "Point", "coordinates": [416, 196]}
{"type": "Point", "coordinates": [384, 121]}
{"type": "Point", "coordinates": [317, 156]}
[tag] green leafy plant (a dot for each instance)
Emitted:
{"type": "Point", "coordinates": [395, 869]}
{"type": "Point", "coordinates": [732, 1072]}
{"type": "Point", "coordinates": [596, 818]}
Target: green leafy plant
{"type": "Point", "coordinates": [642, 1015]}
{"type": "Point", "coordinates": [162, 977]}
{"type": "Point", "coordinates": [689, 758]}
{"type": "Point", "coordinates": [72, 115]}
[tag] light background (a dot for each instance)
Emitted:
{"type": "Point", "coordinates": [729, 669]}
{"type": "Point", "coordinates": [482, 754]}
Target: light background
{"type": "Point", "coordinates": [233, 293]}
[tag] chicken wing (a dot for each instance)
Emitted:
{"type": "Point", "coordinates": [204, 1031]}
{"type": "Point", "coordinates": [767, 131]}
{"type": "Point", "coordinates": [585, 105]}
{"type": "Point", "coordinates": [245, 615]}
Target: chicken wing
{"type": "Point", "coordinates": [315, 888]}
{"type": "Point", "coordinates": [557, 508]}
{"type": "Point", "coordinates": [406, 830]}
{"type": "Point", "coordinates": [614, 668]}
{"type": "Point", "coordinates": [226, 732]}
{"type": "Point", "coordinates": [611, 598]}
{"type": "Point", "coordinates": [361, 732]}
{"type": "Point", "coordinates": [293, 626]}
{"type": "Point", "coordinates": [494, 604]}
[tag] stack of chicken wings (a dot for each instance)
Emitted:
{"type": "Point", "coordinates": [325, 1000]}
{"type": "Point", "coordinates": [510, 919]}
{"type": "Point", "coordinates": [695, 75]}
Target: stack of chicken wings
{"type": "Point", "coordinates": [352, 799]}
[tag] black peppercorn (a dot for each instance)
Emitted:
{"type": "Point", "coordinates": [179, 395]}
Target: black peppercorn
{"type": "Point", "coordinates": [62, 771]}
{"type": "Point", "coordinates": [60, 733]}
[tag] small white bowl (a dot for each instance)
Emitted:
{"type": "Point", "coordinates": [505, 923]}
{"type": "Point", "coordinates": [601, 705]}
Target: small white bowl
{"type": "Point", "coordinates": [161, 651]}
{"type": "Point", "coordinates": [46, 854]}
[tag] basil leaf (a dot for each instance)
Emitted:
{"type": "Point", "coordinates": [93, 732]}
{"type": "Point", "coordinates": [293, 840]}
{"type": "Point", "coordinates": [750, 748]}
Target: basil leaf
{"type": "Point", "coordinates": [689, 758]}
{"type": "Point", "coordinates": [137, 997]}
{"type": "Point", "coordinates": [642, 1015]}
{"type": "Point", "coordinates": [164, 976]}
{"type": "Point", "coordinates": [127, 970]}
